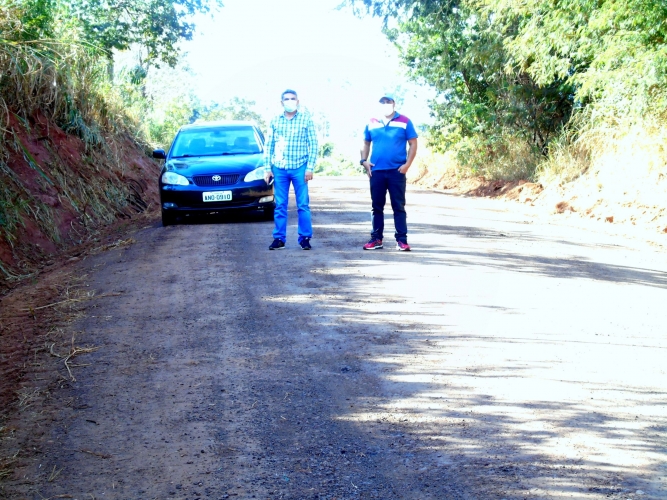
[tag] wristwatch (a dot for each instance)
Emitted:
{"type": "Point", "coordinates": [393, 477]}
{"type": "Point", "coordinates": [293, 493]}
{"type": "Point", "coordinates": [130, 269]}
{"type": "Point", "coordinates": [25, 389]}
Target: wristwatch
{"type": "Point", "coordinates": [362, 162]}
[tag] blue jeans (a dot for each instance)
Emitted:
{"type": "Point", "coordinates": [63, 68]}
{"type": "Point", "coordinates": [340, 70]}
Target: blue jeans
{"type": "Point", "coordinates": [393, 181]}
{"type": "Point", "coordinates": [282, 179]}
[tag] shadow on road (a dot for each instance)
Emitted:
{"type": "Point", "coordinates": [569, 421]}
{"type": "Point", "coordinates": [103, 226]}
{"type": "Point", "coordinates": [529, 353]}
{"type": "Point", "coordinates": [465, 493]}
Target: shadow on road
{"type": "Point", "coordinates": [461, 414]}
{"type": "Point", "coordinates": [228, 217]}
{"type": "Point", "coordinates": [482, 365]}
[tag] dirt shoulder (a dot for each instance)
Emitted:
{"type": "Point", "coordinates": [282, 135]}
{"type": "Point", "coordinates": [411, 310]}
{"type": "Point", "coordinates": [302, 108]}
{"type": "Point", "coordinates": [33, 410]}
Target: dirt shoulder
{"type": "Point", "coordinates": [36, 320]}
{"type": "Point", "coordinates": [633, 211]}
{"type": "Point", "coordinates": [505, 357]}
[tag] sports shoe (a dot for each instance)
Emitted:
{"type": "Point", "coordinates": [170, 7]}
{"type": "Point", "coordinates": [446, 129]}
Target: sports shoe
{"type": "Point", "coordinates": [402, 246]}
{"type": "Point", "coordinates": [373, 245]}
{"type": "Point", "coordinates": [276, 245]}
{"type": "Point", "coordinates": [305, 244]}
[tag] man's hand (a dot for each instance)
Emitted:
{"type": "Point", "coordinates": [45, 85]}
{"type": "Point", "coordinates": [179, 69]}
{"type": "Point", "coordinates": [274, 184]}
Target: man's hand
{"type": "Point", "coordinates": [368, 165]}
{"type": "Point", "coordinates": [268, 176]}
{"type": "Point", "coordinates": [309, 175]}
{"type": "Point", "coordinates": [404, 168]}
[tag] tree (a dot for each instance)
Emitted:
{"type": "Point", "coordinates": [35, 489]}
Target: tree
{"type": "Point", "coordinates": [458, 49]}
{"type": "Point", "coordinates": [36, 19]}
{"type": "Point", "coordinates": [326, 150]}
{"type": "Point", "coordinates": [234, 109]}
{"type": "Point", "coordinates": [155, 25]}
{"type": "Point", "coordinates": [614, 53]}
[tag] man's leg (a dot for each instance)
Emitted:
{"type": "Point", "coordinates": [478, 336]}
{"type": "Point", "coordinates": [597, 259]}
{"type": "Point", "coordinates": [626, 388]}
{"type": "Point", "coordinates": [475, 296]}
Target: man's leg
{"type": "Point", "coordinates": [378, 184]}
{"type": "Point", "coordinates": [305, 225]}
{"type": "Point", "coordinates": [396, 183]}
{"type": "Point", "coordinates": [281, 195]}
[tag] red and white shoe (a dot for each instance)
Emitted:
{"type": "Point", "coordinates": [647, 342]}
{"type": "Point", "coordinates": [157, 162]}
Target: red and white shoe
{"type": "Point", "coordinates": [402, 247]}
{"type": "Point", "coordinates": [373, 245]}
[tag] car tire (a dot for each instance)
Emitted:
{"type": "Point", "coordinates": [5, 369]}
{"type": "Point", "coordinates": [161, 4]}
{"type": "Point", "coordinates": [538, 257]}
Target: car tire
{"type": "Point", "coordinates": [168, 219]}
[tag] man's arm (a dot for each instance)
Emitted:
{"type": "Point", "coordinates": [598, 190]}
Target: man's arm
{"type": "Point", "coordinates": [311, 137]}
{"type": "Point", "coordinates": [412, 152]}
{"type": "Point", "coordinates": [365, 151]}
{"type": "Point", "coordinates": [269, 146]}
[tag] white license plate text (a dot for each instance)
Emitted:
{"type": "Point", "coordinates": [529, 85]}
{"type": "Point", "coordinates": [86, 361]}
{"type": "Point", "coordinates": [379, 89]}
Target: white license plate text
{"type": "Point", "coordinates": [218, 196]}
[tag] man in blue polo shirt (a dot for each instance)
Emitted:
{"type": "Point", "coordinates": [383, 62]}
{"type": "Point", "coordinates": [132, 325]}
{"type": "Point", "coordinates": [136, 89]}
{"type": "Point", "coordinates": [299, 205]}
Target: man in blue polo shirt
{"type": "Point", "coordinates": [392, 144]}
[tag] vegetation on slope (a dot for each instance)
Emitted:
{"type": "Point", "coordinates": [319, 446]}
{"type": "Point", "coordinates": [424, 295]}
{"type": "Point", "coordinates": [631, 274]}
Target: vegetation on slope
{"type": "Point", "coordinates": [73, 139]}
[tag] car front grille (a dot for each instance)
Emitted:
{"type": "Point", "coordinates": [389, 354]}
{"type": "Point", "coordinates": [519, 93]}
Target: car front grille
{"type": "Point", "coordinates": [207, 180]}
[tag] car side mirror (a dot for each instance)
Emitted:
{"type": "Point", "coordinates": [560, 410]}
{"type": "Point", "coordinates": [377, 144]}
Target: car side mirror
{"type": "Point", "coordinates": [159, 154]}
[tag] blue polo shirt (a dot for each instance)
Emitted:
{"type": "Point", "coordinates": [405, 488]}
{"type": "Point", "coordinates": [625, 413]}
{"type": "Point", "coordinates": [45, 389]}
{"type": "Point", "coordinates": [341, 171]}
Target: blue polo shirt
{"type": "Point", "coordinates": [389, 142]}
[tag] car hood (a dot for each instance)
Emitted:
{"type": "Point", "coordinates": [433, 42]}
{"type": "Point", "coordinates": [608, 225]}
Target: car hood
{"type": "Point", "coordinates": [202, 165]}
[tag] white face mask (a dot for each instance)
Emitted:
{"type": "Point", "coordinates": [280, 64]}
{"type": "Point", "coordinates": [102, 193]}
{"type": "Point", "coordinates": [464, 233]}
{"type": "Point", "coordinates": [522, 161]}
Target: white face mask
{"type": "Point", "coordinates": [387, 109]}
{"type": "Point", "coordinates": [290, 106]}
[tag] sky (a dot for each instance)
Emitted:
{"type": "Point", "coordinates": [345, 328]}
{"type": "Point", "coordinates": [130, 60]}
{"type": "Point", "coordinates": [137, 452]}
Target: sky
{"type": "Point", "coordinates": [338, 63]}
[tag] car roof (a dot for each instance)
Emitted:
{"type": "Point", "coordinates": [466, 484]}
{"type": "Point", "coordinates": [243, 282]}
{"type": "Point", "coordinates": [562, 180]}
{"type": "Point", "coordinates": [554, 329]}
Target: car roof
{"type": "Point", "coordinates": [218, 123]}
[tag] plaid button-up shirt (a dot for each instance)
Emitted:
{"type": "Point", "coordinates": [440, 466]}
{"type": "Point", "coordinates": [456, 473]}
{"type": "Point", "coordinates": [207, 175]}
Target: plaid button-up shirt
{"type": "Point", "coordinates": [291, 143]}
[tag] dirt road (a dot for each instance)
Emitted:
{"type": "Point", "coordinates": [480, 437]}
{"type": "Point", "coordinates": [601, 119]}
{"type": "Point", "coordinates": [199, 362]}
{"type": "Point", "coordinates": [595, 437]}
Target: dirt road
{"type": "Point", "coordinates": [506, 357]}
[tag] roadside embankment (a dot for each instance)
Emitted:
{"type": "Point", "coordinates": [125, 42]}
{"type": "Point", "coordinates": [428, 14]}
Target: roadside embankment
{"type": "Point", "coordinates": [58, 191]}
{"type": "Point", "coordinates": [622, 185]}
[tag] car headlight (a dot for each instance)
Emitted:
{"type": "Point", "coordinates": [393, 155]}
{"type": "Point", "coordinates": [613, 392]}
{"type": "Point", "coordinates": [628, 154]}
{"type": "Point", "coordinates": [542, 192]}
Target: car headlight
{"type": "Point", "coordinates": [174, 178]}
{"type": "Point", "coordinates": [255, 175]}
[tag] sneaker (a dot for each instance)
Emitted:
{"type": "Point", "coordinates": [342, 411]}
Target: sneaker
{"type": "Point", "coordinates": [305, 244]}
{"type": "Point", "coordinates": [373, 245]}
{"type": "Point", "coordinates": [276, 245]}
{"type": "Point", "coordinates": [402, 246]}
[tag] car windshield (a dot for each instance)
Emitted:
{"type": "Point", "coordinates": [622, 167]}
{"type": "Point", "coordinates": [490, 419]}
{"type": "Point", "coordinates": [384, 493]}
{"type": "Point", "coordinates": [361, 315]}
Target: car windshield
{"type": "Point", "coordinates": [229, 140]}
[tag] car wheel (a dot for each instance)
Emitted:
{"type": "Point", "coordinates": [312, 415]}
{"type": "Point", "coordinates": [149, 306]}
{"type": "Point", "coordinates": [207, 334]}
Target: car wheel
{"type": "Point", "coordinates": [167, 219]}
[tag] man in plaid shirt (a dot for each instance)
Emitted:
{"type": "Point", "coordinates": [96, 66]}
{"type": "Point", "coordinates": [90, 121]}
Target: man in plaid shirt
{"type": "Point", "coordinates": [290, 153]}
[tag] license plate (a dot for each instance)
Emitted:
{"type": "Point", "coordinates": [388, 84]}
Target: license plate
{"type": "Point", "coordinates": [218, 196]}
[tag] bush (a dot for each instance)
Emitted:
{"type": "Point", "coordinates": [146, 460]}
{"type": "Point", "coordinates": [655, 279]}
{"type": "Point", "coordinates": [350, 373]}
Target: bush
{"type": "Point", "coordinates": [494, 157]}
{"type": "Point", "coordinates": [337, 165]}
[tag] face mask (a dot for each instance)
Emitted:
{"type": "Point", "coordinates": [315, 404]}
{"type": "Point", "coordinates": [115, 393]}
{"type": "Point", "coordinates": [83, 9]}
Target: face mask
{"type": "Point", "coordinates": [387, 109]}
{"type": "Point", "coordinates": [290, 106]}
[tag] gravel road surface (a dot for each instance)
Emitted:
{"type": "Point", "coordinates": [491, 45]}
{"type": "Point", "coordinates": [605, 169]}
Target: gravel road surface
{"type": "Point", "coordinates": [508, 356]}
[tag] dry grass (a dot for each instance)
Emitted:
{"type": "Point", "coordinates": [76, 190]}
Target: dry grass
{"type": "Point", "coordinates": [52, 306]}
{"type": "Point", "coordinates": [115, 244]}
{"type": "Point", "coordinates": [498, 157]}
{"type": "Point", "coordinates": [63, 77]}
{"type": "Point", "coordinates": [73, 351]}
{"type": "Point", "coordinates": [27, 397]}
{"type": "Point", "coordinates": [30, 71]}
{"type": "Point", "coordinates": [54, 474]}
{"type": "Point", "coordinates": [616, 173]}
{"type": "Point", "coordinates": [82, 298]}
{"type": "Point", "coordinates": [629, 150]}
{"type": "Point", "coordinates": [95, 453]}
{"type": "Point", "coordinates": [7, 464]}
{"type": "Point", "coordinates": [566, 162]}
{"type": "Point", "coordinates": [434, 169]}
{"type": "Point", "coordinates": [506, 159]}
